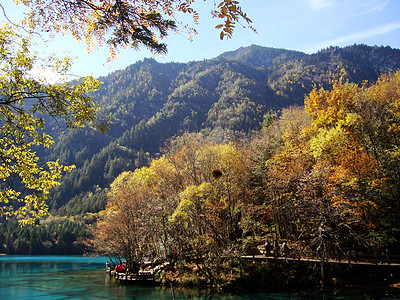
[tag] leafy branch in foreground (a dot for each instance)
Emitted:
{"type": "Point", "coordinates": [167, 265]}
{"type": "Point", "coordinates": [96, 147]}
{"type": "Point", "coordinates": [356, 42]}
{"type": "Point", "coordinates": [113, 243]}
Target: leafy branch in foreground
{"type": "Point", "coordinates": [25, 101]}
{"type": "Point", "coordinates": [122, 23]}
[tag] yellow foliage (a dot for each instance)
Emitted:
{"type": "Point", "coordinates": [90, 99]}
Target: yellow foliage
{"type": "Point", "coordinates": [328, 106]}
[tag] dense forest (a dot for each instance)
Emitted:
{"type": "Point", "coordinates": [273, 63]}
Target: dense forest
{"type": "Point", "coordinates": [150, 105]}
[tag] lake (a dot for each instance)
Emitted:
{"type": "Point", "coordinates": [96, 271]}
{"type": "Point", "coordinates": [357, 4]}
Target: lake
{"type": "Point", "coordinates": [76, 277]}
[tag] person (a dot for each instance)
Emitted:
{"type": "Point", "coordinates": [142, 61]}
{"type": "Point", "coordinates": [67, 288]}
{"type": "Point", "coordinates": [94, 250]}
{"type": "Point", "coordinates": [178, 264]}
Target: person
{"type": "Point", "coordinates": [107, 265]}
{"type": "Point", "coordinates": [285, 250]}
{"type": "Point", "coordinates": [120, 268]}
{"type": "Point", "coordinates": [267, 248]}
{"type": "Point", "coordinates": [319, 251]}
{"type": "Point", "coordinates": [384, 254]}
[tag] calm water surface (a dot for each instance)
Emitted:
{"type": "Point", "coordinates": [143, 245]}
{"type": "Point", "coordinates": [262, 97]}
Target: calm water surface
{"type": "Point", "coordinates": [75, 277]}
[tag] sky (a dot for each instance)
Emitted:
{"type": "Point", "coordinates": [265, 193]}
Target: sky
{"type": "Point", "coordinates": [301, 25]}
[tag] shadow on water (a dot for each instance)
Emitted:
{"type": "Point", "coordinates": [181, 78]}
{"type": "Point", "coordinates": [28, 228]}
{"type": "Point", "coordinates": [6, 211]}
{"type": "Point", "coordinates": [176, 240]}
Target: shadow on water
{"type": "Point", "coordinates": [67, 277]}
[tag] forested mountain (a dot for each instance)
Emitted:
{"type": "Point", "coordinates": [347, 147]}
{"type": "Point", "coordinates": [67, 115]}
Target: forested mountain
{"type": "Point", "coordinates": [226, 97]}
{"type": "Point", "coordinates": [148, 103]}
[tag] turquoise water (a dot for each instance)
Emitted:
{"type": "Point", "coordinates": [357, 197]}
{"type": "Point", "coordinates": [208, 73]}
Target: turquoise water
{"type": "Point", "coordinates": [73, 277]}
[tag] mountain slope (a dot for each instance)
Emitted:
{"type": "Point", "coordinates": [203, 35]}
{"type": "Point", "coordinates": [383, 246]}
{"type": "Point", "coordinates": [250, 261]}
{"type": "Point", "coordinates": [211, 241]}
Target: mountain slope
{"type": "Point", "coordinates": [150, 102]}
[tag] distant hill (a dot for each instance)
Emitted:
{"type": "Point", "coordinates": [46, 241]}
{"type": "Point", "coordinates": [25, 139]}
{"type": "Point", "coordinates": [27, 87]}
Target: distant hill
{"type": "Point", "coordinates": [261, 57]}
{"type": "Point", "coordinates": [225, 97]}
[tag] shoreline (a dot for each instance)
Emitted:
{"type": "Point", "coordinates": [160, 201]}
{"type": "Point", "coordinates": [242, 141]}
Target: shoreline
{"type": "Point", "coordinates": [280, 276]}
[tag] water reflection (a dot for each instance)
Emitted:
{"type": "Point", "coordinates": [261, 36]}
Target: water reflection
{"type": "Point", "coordinates": [66, 277]}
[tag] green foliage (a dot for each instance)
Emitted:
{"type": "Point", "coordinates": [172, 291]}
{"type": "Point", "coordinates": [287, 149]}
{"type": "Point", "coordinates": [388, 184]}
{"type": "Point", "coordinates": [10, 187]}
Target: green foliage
{"type": "Point", "coordinates": [52, 235]}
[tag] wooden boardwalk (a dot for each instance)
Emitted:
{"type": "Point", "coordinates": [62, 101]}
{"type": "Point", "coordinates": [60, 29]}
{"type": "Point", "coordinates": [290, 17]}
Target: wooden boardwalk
{"type": "Point", "coordinates": [145, 276]}
{"type": "Point", "coordinates": [316, 260]}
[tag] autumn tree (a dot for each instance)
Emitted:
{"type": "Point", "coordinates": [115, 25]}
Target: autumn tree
{"type": "Point", "coordinates": [135, 222]}
{"type": "Point", "coordinates": [286, 166]}
{"type": "Point", "coordinates": [315, 179]}
{"type": "Point", "coordinates": [358, 135]}
{"type": "Point", "coordinates": [188, 203]}
{"type": "Point", "coordinates": [123, 232]}
{"type": "Point", "coordinates": [205, 225]}
{"type": "Point", "coordinates": [345, 165]}
{"type": "Point", "coordinates": [330, 178]}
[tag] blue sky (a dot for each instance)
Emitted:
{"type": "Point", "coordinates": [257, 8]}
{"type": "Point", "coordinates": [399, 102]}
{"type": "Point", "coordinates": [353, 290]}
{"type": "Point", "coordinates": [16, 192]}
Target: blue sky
{"type": "Point", "coordinates": [303, 25]}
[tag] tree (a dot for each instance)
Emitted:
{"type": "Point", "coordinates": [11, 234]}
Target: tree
{"type": "Point", "coordinates": [25, 102]}
{"type": "Point", "coordinates": [286, 167]}
{"type": "Point", "coordinates": [124, 22]}
{"type": "Point", "coordinates": [188, 202]}
{"type": "Point", "coordinates": [134, 223]}
{"type": "Point", "coordinates": [358, 134]}
{"type": "Point", "coordinates": [315, 178]}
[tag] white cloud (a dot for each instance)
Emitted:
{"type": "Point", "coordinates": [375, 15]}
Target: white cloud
{"type": "Point", "coordinates": [47, 75]}
{"type": "Point", "coordinates": [356, 37]}
{"type": "Point", "coordinates": [348, 8]}
{"type": "Point", "coordinates": [363, 7]}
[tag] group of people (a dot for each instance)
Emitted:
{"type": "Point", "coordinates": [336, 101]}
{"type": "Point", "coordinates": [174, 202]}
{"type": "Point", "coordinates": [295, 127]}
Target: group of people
{"type": "Point", "coordinates": [276, 249]}
{"type": "Point", "coordinates": [120, 268]}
